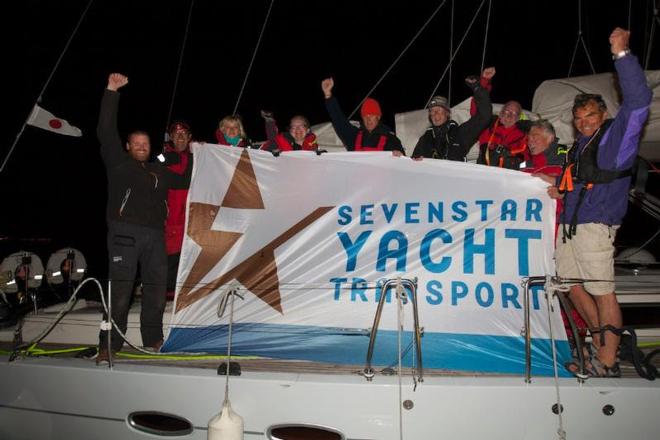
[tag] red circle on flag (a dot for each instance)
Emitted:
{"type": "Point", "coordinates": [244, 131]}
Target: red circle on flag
{"type": "Point", "coordinates": [55, 123]}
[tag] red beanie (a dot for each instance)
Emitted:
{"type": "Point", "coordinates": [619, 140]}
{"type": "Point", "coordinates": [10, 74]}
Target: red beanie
{"type": "Point", "coordinates": [370, 107]}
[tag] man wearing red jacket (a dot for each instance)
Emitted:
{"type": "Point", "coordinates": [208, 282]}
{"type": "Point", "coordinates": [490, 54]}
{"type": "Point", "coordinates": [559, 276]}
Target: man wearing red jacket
{"type": "Point", "coordinates": [503, 143]}
{"type": "Point", "coordinates": [299, 136]}
{"type": "Point", "coordinates": [545, 157]}
{"type": "Point", "coordinates": [544, 154]}
{"type": "Point", "coordinates": [180, 138]}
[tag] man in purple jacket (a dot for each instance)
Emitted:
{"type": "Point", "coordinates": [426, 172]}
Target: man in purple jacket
{"type": "Point", "coordinates": [595, 186]}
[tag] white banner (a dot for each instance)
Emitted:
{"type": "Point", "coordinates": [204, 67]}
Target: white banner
{"type": "Point", "coordinates": [307, 240]}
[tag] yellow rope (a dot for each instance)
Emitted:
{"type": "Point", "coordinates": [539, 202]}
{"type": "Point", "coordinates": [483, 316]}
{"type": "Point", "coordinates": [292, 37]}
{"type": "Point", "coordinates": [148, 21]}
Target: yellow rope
{"type": "Point", "coordinates": [35, 351]}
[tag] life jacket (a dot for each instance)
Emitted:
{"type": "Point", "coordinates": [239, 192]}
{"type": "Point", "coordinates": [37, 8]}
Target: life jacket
{"type": "Point", "coordinates": [550, 162]}
{"type": "Point", "coordinates": [380, 146]}
{"type": "Point", "coordinates": [582, 167]}
{"type": "Point", "coordinates": [285, 142]}
{"type": "Point", "coordinates": [176, 206]}
{"type": "Point", "coordinates": [442, 144]}
{"type": "Point", "coordinates": [504, 147]}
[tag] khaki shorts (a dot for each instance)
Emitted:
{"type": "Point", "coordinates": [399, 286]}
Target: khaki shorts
{"type": "Point", "coordinates": [589, 255]}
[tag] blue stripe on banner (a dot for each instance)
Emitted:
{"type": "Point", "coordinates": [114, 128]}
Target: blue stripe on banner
{"type": "Point", "coordinates": [451, 351]}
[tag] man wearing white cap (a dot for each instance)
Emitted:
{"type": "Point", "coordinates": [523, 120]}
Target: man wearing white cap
{"type": "Point", "coordinates": [445, 138]}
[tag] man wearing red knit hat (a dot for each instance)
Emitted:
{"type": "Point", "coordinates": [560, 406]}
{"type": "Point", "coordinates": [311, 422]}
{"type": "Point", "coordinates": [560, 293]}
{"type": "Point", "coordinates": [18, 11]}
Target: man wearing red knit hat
{"type": "Point", "coordinates": [372, 134]}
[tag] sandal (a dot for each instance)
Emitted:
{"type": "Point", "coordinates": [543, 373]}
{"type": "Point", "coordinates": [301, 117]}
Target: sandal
{"type": "Point", "coordinates": [599, 369]}
{"type": "Point", "coordinates": [593, 367]}
{"type": "Point", "coordinates": [573, 367]}
{"type": "Point", "coordinates": [588, 350]}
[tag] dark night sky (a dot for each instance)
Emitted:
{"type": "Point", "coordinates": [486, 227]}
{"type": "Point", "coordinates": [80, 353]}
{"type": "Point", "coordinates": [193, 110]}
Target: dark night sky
{"type": "Point", "coordinates": [55, 185]}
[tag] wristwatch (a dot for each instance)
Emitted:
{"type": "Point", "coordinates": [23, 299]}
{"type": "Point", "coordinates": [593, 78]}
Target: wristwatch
{"type": "Point", "coordinates": [621, 54]}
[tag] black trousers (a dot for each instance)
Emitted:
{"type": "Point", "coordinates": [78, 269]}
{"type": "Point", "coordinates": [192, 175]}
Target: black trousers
{"type": "Point", "coordinates": [172, 268]}
{"type": "Point", "coordinates": [129, 246]}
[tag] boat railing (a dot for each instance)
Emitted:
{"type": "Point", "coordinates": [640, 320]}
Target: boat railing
{"type": "Point", "coordinates": [553, 285]}
{"type": "Point", "coordinates": [526, 330]}
{"type": "Point", "coordinates": [400, 285]}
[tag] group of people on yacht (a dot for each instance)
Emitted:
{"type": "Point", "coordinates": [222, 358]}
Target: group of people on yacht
{"type": "Point", "coordinates": [590, 179]}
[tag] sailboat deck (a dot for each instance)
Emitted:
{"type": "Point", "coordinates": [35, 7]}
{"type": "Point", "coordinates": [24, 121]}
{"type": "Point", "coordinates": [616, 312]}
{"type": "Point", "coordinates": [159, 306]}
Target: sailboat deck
{"type": "Point", "coordinates": [250, 364]}
{"type": "Point", "coordinates": [79, 328]}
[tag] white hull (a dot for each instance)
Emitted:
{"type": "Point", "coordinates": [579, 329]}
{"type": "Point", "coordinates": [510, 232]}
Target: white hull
{"type": "Point", "coordinates": [49, 398]}
{"type": "Point", "coordinates": [74, 399]}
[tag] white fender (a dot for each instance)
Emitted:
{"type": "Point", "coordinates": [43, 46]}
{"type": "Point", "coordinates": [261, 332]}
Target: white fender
{"type": "Point", "coordinates": [227, 425]}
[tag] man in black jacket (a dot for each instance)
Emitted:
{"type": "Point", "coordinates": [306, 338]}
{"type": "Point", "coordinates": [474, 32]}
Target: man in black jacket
{"type": "Point", "coordinates": [136, 212]}
{"type": "Point", "coordinates": [445, 138]}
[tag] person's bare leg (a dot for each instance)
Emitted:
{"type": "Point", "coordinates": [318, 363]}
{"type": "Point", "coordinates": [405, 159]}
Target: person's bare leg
{"type": "Point", "coordinates": [609, 313]}
{"type": "Point", "coordinates": [587, 308]}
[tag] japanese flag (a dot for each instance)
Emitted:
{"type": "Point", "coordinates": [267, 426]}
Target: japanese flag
{"type": "Point", "coordinates": [44, 119]}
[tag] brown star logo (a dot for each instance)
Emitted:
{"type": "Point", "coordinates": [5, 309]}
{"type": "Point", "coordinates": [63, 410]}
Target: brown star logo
{"type": "Point", "coordinates": [258, 272]}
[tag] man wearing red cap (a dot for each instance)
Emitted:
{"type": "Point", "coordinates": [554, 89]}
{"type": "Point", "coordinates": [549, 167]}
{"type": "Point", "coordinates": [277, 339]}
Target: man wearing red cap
{"type": "Point", "coordinates": [180, 138]}
{"type": "Point", "coordinates": [372, 134]}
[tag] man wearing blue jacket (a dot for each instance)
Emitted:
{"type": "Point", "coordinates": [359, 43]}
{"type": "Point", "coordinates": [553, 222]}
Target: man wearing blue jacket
{"type": "Point", "coordinates": [594, 185]}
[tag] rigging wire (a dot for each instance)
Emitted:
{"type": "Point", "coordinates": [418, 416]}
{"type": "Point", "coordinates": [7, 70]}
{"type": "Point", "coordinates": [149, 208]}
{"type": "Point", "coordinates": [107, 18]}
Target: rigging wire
{"type": "Point", "coordinates": [451, 60]}
{"type": "Point", "coordinates": [483, 54]}
{"type": "Point", "coordinates": [178, 69]}
{"type": "Point", "coordinates": [629, 13]}
{"type": "Point", "coordinates": [580, 39]}
{"type": "Point", "coordinates": [254, 55]}
{"type": "Point", "coordinates": [639, 249]}
{"type": "Point", "coordinates": [398, 58]}
{"type": "Point", "coordinates": [451, 50]}
{"type": "Point", "coordinates": [654, 22]}
{"type": "Point", "coordinates": [43, 90]}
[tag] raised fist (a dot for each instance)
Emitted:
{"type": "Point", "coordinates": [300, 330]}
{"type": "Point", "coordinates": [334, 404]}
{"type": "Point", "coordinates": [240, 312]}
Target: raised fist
{"type": "Point", "coordinates": [327, 85]}
{"type": "Point", "coordinates": [619, 39]}
{"type": "Point", "coordinates": [488, 73]}
{"type": "Point", "coordinates": [116, 81]}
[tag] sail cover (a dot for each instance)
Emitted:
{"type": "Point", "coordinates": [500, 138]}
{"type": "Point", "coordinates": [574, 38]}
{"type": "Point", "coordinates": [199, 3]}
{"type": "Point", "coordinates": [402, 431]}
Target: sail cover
{"type": "Point", "coordinates": [553, 100]}
{"type": "Point", "coordinates": [308, 240]}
